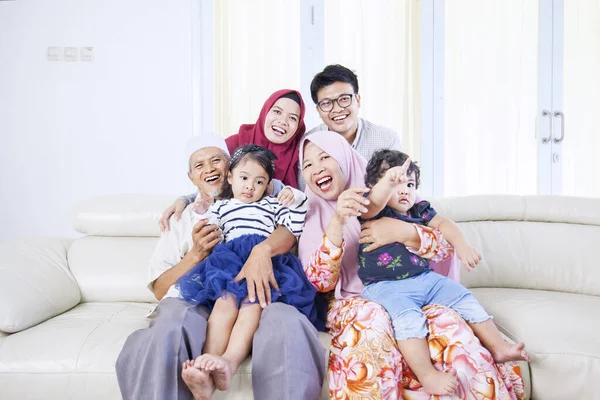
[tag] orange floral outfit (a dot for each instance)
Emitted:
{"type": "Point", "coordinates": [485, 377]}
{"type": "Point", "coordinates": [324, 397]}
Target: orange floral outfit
{"type": "Point", "coordinates": [364, 361]}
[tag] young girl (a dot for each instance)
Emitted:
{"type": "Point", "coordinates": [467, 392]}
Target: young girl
{"type": "Point", "coordinates": [246, 217]}
{"type": "Point", "coordinates": [279, 128]}
{"type": "Point", "coordinates": [403, 283]}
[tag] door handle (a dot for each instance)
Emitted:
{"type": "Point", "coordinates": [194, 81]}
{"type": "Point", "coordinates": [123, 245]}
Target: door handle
{"type": "Point", "coordinates": [546, 113]}
{"type": "Point", "coordinates": [560, 115]}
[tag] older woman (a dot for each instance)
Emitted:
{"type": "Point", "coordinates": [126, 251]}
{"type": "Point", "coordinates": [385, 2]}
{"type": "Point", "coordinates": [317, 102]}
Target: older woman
{"type": "Point", "coordinates": [364, 360]}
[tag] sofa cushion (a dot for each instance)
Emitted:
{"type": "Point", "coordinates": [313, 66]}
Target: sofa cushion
{"type": "Point", "coordinates": [534, 255]}
{"type": "Point", "coordinates": [73, 355]}
{"type": "Point", "coordinates": [121, 215]}
{"type": "Point", "coordinates": [560, 332]}
{"type": "Point", "coordinates": [35, 282]}
{"type": "Point", "coordinates": [112, 268]}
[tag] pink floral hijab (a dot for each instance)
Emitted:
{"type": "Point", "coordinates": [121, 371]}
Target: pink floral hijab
{"type": "Point", "coordinates": [353, 166]}
{"type": "Point", "coordinates": [320, 212]}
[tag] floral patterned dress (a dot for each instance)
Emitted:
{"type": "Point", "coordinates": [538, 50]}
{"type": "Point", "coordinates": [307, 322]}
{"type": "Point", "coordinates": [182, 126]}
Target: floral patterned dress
{"type": "Point", "coordinates": [364, 361]}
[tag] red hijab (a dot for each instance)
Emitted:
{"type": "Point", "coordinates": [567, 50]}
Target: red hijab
{"type": "Point", "coordinates": [286, 165]}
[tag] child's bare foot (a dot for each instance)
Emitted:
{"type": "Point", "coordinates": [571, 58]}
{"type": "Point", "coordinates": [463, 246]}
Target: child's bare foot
{"type": "Point", "coordinates": [510, 352]}
{"type": "Point", "coordinates": [218, 367]}
{"type": "Point", "coordinates": [199, 382]}
{"type": "Point", "coordinates": [440, 383]}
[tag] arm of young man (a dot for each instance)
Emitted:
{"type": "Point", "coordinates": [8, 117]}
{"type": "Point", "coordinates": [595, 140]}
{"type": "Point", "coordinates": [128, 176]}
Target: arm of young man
{"type": "Point", "coordinates": [258, 269]}
{"type": "Point", "coordinates": [467, 254]}
{"type": "Point", "coordinates": [167, 255]}
{"type": "Point", "coordinates": [176, 208]}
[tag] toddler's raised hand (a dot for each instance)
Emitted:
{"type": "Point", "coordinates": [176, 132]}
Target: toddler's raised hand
{"type": "Point", "coordinates": [286, 197]}
{"type": "Point", "coordinates": [394, 175]}
{"type": "Point", "coordinates": [469, 256]}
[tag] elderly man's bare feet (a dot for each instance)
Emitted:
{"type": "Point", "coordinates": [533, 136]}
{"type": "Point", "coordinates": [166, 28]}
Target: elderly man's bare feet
{"type": "Point", "coordinates": [510, 352]}
{"type": "Point", "coordinates": [219, 369]}
{"type": "Point", "coordinates": [199, 382]}
{"type": "Point", "coordinates": [440, 383]}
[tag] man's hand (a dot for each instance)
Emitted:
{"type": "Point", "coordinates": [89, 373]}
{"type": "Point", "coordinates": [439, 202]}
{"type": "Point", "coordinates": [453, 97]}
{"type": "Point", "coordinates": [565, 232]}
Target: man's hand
{"type": "Point", "coordinates": [175, 208]}
{"type": "Point", "coordinates": [469, 256]}
{"type": "Point", "coordinates": [258, 272]}
{"type": "Point", "coordinates": [205, 237]}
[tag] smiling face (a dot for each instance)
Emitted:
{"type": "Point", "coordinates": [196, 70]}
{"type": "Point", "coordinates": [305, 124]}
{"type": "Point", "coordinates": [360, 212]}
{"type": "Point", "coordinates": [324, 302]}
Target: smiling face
{"type": "Point", "coordinates": [341, 120]}
{"type": "Point", "coordinates": [322, 172]}
{"type": "Point", "coordinates": [207, 170]}
{"type": "Point", "coordinates": [404, 195]}
{"type": "Point", "coordinates": [248, 180]}
{"type": "Point", "coordinates": [282, 120]}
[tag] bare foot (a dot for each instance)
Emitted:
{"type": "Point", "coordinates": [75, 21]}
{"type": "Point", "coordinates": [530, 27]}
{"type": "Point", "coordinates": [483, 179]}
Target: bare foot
{"type": "Point", "coordinates": [440, 383]}
{"type": "Point", "coordinates": [199, 382]}
{"type": "Point", "coordinates": [510, 352]}
{"type": "Point", "coordinates": [219, 369]}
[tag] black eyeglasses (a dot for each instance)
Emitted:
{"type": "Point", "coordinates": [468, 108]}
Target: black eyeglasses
{"type": "Point", "coordinates": [343, 101]}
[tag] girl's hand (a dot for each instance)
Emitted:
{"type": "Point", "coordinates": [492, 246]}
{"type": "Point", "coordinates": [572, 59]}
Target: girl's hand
{"type": "Point", "coordinates": [202, 203]}
{"type": "Point", "coordinates": [394, 175]}
{"type": "Point", "coordinates": [286, 197]}
{"type": "Point", "coordinates": [351, 203]}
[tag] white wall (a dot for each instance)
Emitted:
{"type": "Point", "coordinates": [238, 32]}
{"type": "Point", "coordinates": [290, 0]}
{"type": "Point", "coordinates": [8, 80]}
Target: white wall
{"type": "Point", "coordinates": [73, 130]}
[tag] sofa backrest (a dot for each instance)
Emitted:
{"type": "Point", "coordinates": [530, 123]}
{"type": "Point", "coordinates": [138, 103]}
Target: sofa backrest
{"type": "Point", "coordinates": [110, 263]}
{"type": "Point", "coordinates": [530, 242]}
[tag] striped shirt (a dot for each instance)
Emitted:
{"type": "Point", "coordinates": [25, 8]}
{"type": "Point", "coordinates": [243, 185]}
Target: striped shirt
{"type": "Point", "coordinates": [369, 139]}
{"type": "Point", "coordinates": [236, 218]}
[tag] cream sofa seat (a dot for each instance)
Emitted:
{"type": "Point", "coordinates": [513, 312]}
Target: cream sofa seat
{"type": "Point", "coordinates": [67, 306]}
{"type": "Point", "coordinates": [540, 279]}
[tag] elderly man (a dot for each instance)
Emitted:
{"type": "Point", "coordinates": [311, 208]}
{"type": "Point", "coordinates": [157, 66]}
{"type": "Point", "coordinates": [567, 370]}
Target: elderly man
{"type": "Point", "coordinates": [287, 358]}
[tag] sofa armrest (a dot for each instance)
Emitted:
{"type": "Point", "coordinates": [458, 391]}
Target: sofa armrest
{"type": "Point", "coordinates": [35, 282]}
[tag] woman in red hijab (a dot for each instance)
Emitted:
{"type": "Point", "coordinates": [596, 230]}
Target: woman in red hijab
{"type": "Point", "coordinates": [280, 128]}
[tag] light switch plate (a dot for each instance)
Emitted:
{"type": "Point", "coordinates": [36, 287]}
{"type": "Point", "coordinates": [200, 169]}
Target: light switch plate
{"type": "Point", "coordinates": [54, 53]}
{"type": "Point", "coordinates": [87, 53]}
{"type": "Point", "coordinates": [71, 53]}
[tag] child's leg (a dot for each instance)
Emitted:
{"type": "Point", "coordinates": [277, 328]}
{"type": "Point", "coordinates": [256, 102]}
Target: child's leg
{"type": "Point", "coordinates": [220, 324]}
{"type": "Point", "coordinates": [403, 301]}
{"type": "Point", "coordinates": [416, 353]}
{"type": "Point", "coordinates": [455, 296]}
{"type": "Point", "coordinates": [222, 368]}
{"type": "Point", "coordinates": [500, 349]}
{"type": "Point", "coordinates": [198, 381]}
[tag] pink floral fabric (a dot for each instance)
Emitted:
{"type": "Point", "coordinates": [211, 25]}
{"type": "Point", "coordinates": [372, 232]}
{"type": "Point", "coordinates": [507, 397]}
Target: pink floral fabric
{"type": "Point", "coordinates": [364, 361]}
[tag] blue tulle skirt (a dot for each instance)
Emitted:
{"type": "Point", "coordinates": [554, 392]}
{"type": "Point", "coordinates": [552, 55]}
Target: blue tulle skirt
{"type": "Point", "coordinates": [214, 278]}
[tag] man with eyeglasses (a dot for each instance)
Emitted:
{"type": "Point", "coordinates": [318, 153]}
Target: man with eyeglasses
{"type": "Point", "coordinates": [335, 92]}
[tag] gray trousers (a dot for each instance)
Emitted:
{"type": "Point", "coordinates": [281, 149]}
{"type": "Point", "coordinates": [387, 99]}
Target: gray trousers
{"type": "Point", "coordinates": [288, 361]}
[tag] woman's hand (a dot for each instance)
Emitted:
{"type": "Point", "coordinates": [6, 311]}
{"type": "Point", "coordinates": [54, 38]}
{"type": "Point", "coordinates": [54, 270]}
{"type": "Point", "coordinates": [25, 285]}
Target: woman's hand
{"type": "Point", "coordinates": [286, 197]}
{"type": "Point", "coordinates": [175, 208]}
{"type": "Point", "coordinates": [386, 230]}
{"type": "Point", "coordinates": [351, 203]}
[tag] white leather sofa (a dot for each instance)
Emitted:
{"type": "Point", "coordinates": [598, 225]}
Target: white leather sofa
{"type": "Point", "coordinates": [67, 306]}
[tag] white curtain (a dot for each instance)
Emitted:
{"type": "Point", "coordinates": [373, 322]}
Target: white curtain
{"type": "Point", "coordinates": [581, 90]}
{"type": "Point", "coordinates": [257, 51]}
{"type": "Point", "coordinates": [379, 40]}
{"type": "Point", "coordinates": [491, 91]}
